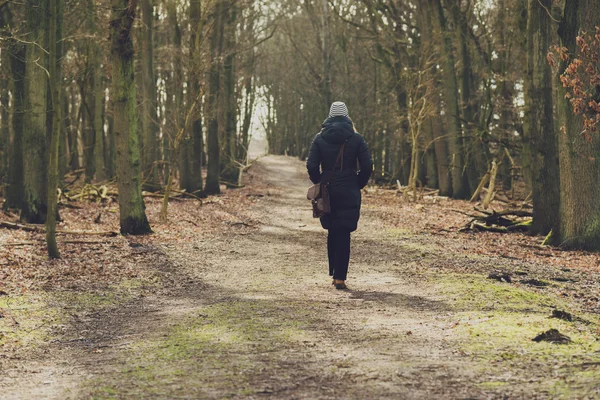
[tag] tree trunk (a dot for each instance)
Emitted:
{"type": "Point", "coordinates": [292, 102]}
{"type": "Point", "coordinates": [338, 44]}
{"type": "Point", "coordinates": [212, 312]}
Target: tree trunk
{"type": "Point", "coordinates": [55, 25]}
{"type": "Point", "coordinates": [4, 115]}
{"type": "Point", "coordinates": [131, 204]}
{"type": "Point", "coordinates": [460, 185]}
{"type": "Point", "coordinates": [231, 169]}
{"type": "Point", "coordinates": [111, 167]}
{"type": "Point", "coordinates": [150, 115]}
{"type": "Point", "coordinates": [35, 161]}
{"type": "Point", "coordinates": [216, 44]}
{"type": "Point", "coordinates": [95, 98]}
{"type": "Point", "coordinates": [540, 156]}
{"type": "Point", "coordinates": [465, 77]}
{"type": "Point", "coordinates": [87, 127]}
{"type": "Point", "coordinates": [579, 216]}
{"type": "Point", "coordinates": [73, 130]}
{"type": "Point", "coordinates": [197, 141]}
{"type": "Point", "coordinates": [15, 190]}
{"type": "Point", "coordinates": [326, 53]}
{"type": "Point", "coordinates": [63, 155]}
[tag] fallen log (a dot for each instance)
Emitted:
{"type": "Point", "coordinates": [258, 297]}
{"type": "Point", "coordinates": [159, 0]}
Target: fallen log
{"type": "Point", "coordinates": [498, 221]}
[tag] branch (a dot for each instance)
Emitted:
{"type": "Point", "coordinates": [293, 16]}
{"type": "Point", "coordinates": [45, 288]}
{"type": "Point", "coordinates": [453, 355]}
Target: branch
{"type": "Point", "coordinates": [10, 225]}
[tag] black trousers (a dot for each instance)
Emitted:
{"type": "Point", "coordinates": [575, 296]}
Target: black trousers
{"type": "Point", "coordinates": [338, 251]}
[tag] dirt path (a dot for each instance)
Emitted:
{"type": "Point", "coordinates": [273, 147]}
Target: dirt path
{"type": "Point", "coordinates": [251, 314]}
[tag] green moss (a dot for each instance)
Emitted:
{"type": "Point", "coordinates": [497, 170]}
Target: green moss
{"type": "Point", "coordinates": [474, 292]}
{"type": "Point", "coordinates": [492, 384]}
{"type": "Point", "coordinates": [580, 382]}
{"type": "Point", "coordinates": [29, 320]}
{"type": "Point", "coordinates": [399, 233]}
{"type": "Point", "coordinates": [497, 322]}
{"type": "Point", "coordinates": [218, 346]}
{"type": "Point", "coordinates": [26, 320]}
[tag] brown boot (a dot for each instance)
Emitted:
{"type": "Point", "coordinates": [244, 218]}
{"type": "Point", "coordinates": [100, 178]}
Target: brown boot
{"type": "Point", "coordinates": [340, 284]}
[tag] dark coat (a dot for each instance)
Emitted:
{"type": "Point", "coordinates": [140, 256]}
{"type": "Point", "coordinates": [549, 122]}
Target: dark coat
{"type": "Point", "coordinates": [346, 184]}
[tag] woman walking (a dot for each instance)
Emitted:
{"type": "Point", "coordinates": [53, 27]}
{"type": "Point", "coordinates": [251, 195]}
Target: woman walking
{"type": "Point", "coordinates": [338, 137]}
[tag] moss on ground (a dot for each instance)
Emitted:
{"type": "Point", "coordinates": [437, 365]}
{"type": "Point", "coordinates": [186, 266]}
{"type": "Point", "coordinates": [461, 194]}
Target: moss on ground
{"type": "Point", "coordinates": [497, 322]}
{"type": "Point", "coordinates": [30, 320]}
{"type": "Point", "coordinates": [26, 320]}
{"type": "Point", "coordinates": [225, 345]}
{"type": "Point", "coordinates": [400, 233]}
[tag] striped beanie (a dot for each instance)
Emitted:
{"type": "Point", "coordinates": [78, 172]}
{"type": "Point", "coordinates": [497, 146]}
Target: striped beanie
{"type": "Point", "coordinates": [338, 109]}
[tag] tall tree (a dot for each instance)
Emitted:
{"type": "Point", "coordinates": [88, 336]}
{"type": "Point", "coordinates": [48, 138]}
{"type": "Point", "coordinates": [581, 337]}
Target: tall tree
{"type": "Point", "coordinates": [213, 109]}
{"type": "Point", "coordinates": [96, 95]}
{"type": "Point", "coordinates": [55, 30]}
{"type": "Point", "coordinates": [230, 167]}
{"type": "Point", "coordinates": [579, 216]}
{"type": "Point", "coordinates": [133, 218]}
{"type": "Point", "coordinates": [540, 141]}
{"type": "Point", "coordinates": [35, 159]}
{"type": "Point", "coordinates": [14, 188]}
{"type": "Point", "coordinates": [326, 52]}
{"type": "Point", "coordinates": [150, 99]}
{"type": "Point", "coordinates": [5, 89]}
{"type": "Point", "coordinates": [439, 178]}
{"type": "Point", "coordinates": [465, 79]}
{"type": "Point", "coordinates": [197, 141]}
{"type": "Point", "coordinates": [460, 185]}
{"type": "Point", "coordinates": [4, 113]}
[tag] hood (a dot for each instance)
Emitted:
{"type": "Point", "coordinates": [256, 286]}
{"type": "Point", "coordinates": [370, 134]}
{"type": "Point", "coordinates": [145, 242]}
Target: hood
{"type": "Point", "coordinates": [337, 130]}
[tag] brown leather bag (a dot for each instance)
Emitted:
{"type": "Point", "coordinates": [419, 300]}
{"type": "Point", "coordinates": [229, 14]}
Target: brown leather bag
{"type": "Point", "coordinates": [319, 194]}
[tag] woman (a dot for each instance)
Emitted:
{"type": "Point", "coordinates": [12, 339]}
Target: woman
{"type": "Point", "coordinates": [345, 184]}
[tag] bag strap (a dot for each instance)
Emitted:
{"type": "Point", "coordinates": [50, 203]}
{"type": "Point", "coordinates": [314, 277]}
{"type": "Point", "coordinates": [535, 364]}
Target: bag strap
{"type": "Point", "coordinates": [340, 156]}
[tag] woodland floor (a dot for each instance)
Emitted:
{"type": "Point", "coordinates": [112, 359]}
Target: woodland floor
{"type": "Point", "coordinates": [231, 299]}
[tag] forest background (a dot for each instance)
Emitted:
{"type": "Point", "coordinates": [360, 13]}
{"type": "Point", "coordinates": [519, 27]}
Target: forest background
{"type": "Point", "coordinates": [451, 95]}
{"type": "Point", "coordinates": [121, 118]}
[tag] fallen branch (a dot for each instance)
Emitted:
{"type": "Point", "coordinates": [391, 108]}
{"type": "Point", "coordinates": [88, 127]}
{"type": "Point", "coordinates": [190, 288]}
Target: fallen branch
{"type": "Point", "coordinates": [13, 226]}
{"type": "Point", "coordinates": [497, 222]}
{"type": "Point", "coordinates": [72, 206]}
{"type": "Point", "coordinates": [89, 233]}
{"type": "Point", "coordinates": [16, 244]}
{"type": "Point", "coordinates": [10, 225]}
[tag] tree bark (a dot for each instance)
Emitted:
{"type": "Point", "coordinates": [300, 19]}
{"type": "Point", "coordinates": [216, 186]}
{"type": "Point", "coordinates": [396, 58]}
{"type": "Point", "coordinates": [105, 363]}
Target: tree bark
{"type": "Point", "coordinates": [230, 167]}
{"type": "Point", "coordinates": [465, 78]}
{"type": "Point", "coordinates": [111, 166]}
{"type": "Point", "coordinates": [216, 44]}
{"type": "Point", "coordinates": [14, 189]}
{"type": "Point", "coordinates": [540, 157]}
{"type": "Point", "coordinates": [460, 185]}
{"type": "Point", "coordinates": [55, 21]}
{"type": "Point", "coordinates": [4, 114]}
{"type": "Point", "coordinates": [35, 159]}
{"type": "Point", "coordinates": [197, 140]}
{"type": "Point", "coordinates": [95, 98]}
{"type": "Point", "coordinates": [133, 218]}
{"type": "Point", "coordinates": [150, 115]}
{"type": "Point", "coordinates": [579, 216]}
{"type": "Point", "coordinates": [326, 53]}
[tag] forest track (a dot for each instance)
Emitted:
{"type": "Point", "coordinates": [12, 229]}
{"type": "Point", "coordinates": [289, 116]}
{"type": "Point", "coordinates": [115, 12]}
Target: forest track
{"type": "Point", "coordinates": [251, 314]}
